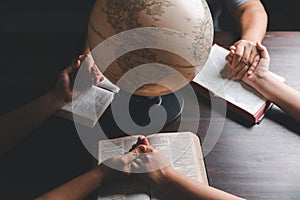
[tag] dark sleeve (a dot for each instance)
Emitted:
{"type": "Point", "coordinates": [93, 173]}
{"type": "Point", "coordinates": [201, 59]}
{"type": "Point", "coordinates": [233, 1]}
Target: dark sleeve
{"type": "Point", "coordinates": [231, 4]}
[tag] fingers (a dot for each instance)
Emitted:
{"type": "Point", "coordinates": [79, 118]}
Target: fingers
{"type": "Point", "coordinates": [240, 74]}
{"type": "Point", "coordinates": [149, 162]}
{"type": "Point", "coordinates": [253, 66]}
{"type": "Point", "coordinates": [244, 54]}
{"type": "Point", "coordinates": [146, 148]}
{"type": "Point", "coordinates": [262, 50]}
{"type": "Point", "coordinates": [142, 146]}
{"type": "Point", "coordinates": [238, 54]}
{"type": "Point", "coordinates": [131, 156]}
{"type": "Point", "coordinates": [97, 75]}
{"type": "Point", "coordinates": [145, 141]}
{"type": "Point", "coordinates": [73, 68]}
{"type": "Point", "coordinates": [229, 57]}
{"type": "Point", "coordinates": [253, 54]}
{"type": "Point", "coordinates": [134, 146]}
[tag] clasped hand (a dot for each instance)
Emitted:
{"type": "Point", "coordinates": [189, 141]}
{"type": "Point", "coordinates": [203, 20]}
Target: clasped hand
{"type": "Point", "coordinates": [243, 55]}
{"type": "Point", "coordinates": [143, 160]}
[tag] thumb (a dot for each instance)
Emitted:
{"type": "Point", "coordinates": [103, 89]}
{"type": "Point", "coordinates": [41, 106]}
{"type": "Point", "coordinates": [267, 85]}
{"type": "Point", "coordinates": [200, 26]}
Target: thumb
{"type": "Point", "coordinates": [130, 156]}
{"type": "Point", "coordinates": [73, 68]}
{"type": "Point", "coordinates": [262, 50]}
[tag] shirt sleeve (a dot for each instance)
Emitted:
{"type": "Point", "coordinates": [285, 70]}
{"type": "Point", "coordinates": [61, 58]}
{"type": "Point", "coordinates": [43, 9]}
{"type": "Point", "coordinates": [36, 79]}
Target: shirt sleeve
{"type": "Point", "coordinates": [231, 4]}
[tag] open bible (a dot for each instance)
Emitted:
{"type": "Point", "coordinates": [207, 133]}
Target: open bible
{"type": "Point", "coordinates": [87, 108]}
{"type": "Point", "coordinates": [182, 149]}
{"type": "Point", "coordinates": [241, 99]}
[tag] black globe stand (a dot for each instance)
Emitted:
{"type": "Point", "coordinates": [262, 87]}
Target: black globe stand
{"type": "Point", "coordinates": [139, 107]}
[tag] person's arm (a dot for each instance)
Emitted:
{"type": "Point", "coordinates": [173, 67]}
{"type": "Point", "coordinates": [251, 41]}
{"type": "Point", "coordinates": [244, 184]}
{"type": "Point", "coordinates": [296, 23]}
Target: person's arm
{"type": "Point", "coordinates": [253, 20]}
{"type": "Point", "coordinates": [84, 185]}
{"type": "Point", "coordinates": [170, 182]}
{"type": "Point", "coordinates": [281, 94]}
{"type": "Point", "coordinates": [186, 188]}
{"type": "Point", "coordinates": [78, 188]}
{"type": "Point", "coordinates": [19, 123]}
{"type": "Point", "coordinates": [274, 90]}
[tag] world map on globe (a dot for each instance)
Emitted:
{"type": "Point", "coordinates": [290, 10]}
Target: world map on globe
{"type": "Point", "coordinates": [162, 44]}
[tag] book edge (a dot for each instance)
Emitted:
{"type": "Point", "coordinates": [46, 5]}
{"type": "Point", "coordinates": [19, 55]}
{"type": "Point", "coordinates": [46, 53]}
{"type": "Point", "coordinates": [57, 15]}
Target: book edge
{"type": "Point", "coordinates": [84, 120]}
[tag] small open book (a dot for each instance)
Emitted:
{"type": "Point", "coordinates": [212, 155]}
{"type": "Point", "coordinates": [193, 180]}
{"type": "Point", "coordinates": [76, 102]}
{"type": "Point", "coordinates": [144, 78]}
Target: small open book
{"type": "Point", "coordinates": [87, 108]}
{"type": "Point", "coordinates": [181, 148]}
{"type": "Point", "coordinates": [242, 99]}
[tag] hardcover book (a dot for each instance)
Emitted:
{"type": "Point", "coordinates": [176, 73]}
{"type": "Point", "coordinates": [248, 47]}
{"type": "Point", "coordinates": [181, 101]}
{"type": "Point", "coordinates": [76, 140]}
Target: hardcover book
{"type": "Point", "coordinates": [181, 148]}
{"type": "Point", "coordinates": [243, 100]}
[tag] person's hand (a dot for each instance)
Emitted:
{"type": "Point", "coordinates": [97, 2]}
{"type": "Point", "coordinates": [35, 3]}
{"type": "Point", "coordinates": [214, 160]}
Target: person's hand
{"type": "Point", "coordinates": [150, 165]}
{"type": "Point", "coordinates": [88, 74]}
{"type": "Point", "coordinates": [243, 55]}
{"type": "Point", "coordinates": [262, 66]}
{"type": "Point", "coordinates": [63, 89]}
{"type": "Point", "coordinates": [117, 166]}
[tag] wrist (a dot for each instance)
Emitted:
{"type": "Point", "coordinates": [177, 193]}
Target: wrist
{"type": "Point", "coordinates": [250, 36]}
{"type": "Point", "coordinates": [165, 177]}
{"type": "Point", "coordinates": [57, 99]}
{"type": "Point", "coordinates": [257, 80]}
{"type": "Point", "coordinates": [100, 174]}
{"type": "Point", "coordinates": [103, 172]}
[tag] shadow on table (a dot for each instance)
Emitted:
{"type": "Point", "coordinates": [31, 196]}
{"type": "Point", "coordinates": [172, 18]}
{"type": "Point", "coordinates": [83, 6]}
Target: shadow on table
{"type": "Point", "coordinates": [277, 115]}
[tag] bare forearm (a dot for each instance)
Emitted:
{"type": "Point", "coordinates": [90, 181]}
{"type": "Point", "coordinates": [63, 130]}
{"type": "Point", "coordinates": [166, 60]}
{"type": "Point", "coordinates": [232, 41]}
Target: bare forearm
{"type": "Point", "coordinates": [187, 188]}
{"type": "Point", "coordinates": [17, 124]}
{"type": "Point", "coordinates": [253, 22]}
{"type": "Point", "coordinates": [281, 94]}
{"type": "Point", "coordinates": [78, 188]}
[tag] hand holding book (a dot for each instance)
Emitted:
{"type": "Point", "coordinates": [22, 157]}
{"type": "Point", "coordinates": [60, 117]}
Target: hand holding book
{"type": "Point", "coordinates": [89, 74]}
{"type": "Point", "coordinates": [93, 95]}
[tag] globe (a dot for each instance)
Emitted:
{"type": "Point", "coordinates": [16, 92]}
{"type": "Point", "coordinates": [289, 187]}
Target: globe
{"type": "Point", "coordinates": [174, 35]}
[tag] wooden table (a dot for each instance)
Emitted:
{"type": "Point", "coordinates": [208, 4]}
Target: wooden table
{"type": "Point", "coordinates": [258, 162]}
{"type": "Point", "coordinates": [261, 161]}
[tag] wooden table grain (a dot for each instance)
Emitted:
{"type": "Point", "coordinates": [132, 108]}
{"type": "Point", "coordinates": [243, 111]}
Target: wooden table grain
{"type": "Point", "coordinates": [255, 162]}
{"type": "Point", "coordinates": [260, 161]}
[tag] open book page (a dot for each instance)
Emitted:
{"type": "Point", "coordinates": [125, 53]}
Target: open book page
{"type": "Point", "coordinates": [243, 96]}
{"type": "Point", "coordinates": [210, 75]}
{"type": "Point", "coordinates": [182, 148]}
{"type": "Point", "coordinates": [215, 76]}
{"type": "Point", "coordinates": [107, 84]}
{"type": "Point", "coordinates": [125, 189]}
{"type": "Point", "coordinates": [115, 147]}
{"type": "Point", "coordinates": [248, 98]}
{"type": "Point", "coordinates": [88, 107]}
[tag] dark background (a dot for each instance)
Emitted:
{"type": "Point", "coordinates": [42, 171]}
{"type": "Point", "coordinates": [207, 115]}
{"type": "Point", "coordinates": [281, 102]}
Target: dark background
{"type": "Point", "coordinates": [71, 16]}
{"type": "Point", "coordinates": [283, 16]}
{"type": "Point", "coordinates": [37, 40]}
